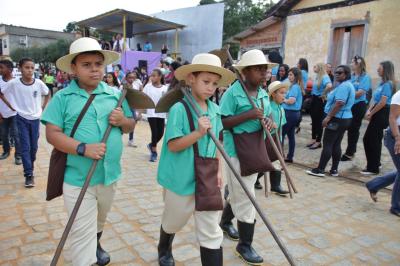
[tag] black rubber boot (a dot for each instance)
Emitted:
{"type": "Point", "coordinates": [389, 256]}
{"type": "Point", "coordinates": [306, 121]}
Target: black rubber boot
{"type": "Point", "coordinates": [226, 223]}
{"type": "Point", "coordinates": [244, 249]}
{"type": "Point", "coordinates": [275, 179]}
{"type": "Point", "coordinates": [103, 258]}
{"type": "Point", "coordinates": [165, 257]}
{"type": "Point", "coordinates": [211, 257]}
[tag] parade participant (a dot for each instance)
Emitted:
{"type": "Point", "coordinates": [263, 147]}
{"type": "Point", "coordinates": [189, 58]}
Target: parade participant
{"type": "Point", "coordinates": [392, 143]}
{"type": "Point", "coordinates": [112, 81]}
{"type": "Point", "coordinates": [176, 171]}
{"type": "Point", "coordinates": [283, 73]}
{"type": "Point", "coordinates": [337, 120]}
{"type": "Point", "coordinates": [239, 118]}
{"type": "Point", "coordinates": [328, 69]}
{"type": "Point", "coordinates": [292, 106]}
{"type": "Point", "coordinates": [49, 80]}
{"type": "Point", "coordinates": [303, 66]}
{"type": "Point", "coordinates": [362, 84]}
{"type": "Point", "coordinates": [131, 78]}
{"type": "Point", "coordinates": [25, 96]}
{"type": "Point", "coordinates": [87, 61]}
{"type": "Point", "coordinates": [155, 91]}
{"type": "Point", "coordinates": [277, 92]}
{"type": "Point", "coordinates": [321, 86]}
{"type": "Point", "coordinates": [275, 57]}
{"type": "Point", "coordinates": [9, 115]}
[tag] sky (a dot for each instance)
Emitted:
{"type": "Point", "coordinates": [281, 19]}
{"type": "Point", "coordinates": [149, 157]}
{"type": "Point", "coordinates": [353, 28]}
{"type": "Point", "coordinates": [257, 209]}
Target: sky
{"type": "Point", "coordinates": [55, 15]}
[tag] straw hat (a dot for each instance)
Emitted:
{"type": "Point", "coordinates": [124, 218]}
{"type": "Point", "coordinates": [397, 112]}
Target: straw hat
{"type": "Point", "coordinates": [81, 45]}
{"type": "Point", "coordinates": [276, 85]}
{"type": "Point", "coordinates": [206, 63]}
{"type": "Point", "coordinates": [253, 58]}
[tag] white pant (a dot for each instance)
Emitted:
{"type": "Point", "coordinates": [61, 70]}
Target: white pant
{"type": "Point", "coordinates": [177, 211]}
{"type": "Point", "coordinates": [90, 219]}
{"type": "Point", "coordinates": [241, 205]}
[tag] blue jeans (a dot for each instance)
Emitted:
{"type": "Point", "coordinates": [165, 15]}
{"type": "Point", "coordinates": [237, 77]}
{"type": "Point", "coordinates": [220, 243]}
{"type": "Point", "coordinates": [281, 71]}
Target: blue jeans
{"type": "Point", "coordinates": [134, 117]}
{"type": "Point", "coordinates": [289, 129]}
{"type": "Point", "coordinates": [393, 177]}
{"type": "Point", "coordinates": [10, 129]}
{"type": "Point", "coordinates": [28, 136]}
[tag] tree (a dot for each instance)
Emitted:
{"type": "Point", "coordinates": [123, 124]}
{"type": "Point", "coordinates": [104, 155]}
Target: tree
{"type": "Point", "coordinates": [71, 27]}
{"type": "Point", "coordinates": [207, 2]}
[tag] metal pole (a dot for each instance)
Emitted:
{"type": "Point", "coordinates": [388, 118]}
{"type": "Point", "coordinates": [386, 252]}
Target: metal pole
{"type": "Point", "coordinates": [239, 179]}
{"type": "Point", "coordinates": [124, 37]}
{"type": "Point", "coordinates": [82, 193]}
{"type": "Point", "coordinates": [270, 139]}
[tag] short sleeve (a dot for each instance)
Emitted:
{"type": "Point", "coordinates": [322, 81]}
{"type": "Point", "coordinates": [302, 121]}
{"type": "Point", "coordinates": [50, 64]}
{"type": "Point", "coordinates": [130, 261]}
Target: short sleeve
{"type": "Point", "coordinates": [325, 81]}
{"type": "Point", "coordinates": [387, 89]}
{"type": "Point", "coordinates": [175, 123]}
{"type": "Point", "coordinates": [6, 86]}
{"type": "Point", "coordinates": [396, 98]}
{"type": "Point", "coordinates": [44, 90]}
{"type": "Point", "coordinates": [365, 83]}
{"type": "Point", "coordinates": [294, 91]}
{"type": "Point", "coordinates": [228, 103]}
{"type": "Point", "coordinates": [54, 112]}
{"type": "Point", "coordinates": [267, 107]}
{"type": "Point", "coordinates": [126, 109]}
{"type": "Point", "coordinates": [342, 94]}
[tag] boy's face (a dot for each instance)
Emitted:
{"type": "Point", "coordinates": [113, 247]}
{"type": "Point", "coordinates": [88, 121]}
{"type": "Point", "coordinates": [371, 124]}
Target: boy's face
{"type": "Point", "coordinates": [89, 69]}
{"type": "Point", "coordinates": [2, 69]}
{"type": "Point", "coordinates": [204, 84]}
{"type": "Point", "coordinates": [255, 74]}
{"type": "Point", "coordinates": [27, 69]}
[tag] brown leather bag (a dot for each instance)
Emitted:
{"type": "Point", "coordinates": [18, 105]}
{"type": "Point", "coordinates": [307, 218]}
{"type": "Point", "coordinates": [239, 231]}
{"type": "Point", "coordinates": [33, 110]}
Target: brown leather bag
{"type": "Point", "coordinates": [58, 161]}
{"type": "Point", "coordinates": [208, 194]}
{"type": "Point", "coordinates": [251, 152]}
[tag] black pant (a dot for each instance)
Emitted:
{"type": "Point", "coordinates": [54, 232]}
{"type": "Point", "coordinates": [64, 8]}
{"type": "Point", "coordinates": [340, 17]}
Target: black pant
{"type": "Point", "coordinates": [157, 129]}
{"type": "Point", "coordinates": [50, 86]}
{"type": "Point", "coordinates": [353, 133]}
{"type": "Point", "coordinates": [373, 139]}
{"type": "Point", "coordinates": [317, 115]}
{"type": "Point", "coordinates": [331, 144]}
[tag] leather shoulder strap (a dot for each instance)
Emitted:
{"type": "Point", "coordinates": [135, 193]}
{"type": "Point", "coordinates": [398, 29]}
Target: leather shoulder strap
{"type": "Point", "coordinates": [191, 124]}
{"type": "Point", "coordinates": [83, 112]}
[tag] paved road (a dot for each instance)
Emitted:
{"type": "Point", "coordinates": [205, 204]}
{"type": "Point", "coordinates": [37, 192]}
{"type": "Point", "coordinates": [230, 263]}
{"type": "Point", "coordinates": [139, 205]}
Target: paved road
{"type": "Point", "coordinates": [332, 221]}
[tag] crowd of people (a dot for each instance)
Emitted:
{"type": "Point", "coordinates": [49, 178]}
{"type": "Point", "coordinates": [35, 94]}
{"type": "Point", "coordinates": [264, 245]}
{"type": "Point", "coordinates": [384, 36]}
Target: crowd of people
{"type": "Point", "coordinates": [338, 101]}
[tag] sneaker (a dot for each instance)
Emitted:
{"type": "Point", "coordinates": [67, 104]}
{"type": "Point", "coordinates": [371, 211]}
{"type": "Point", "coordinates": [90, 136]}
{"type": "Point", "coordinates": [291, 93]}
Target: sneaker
{"type": "Point", "coordinates": [315, 146]}
{"type": "Point", "coordinates": [29, 181]}
{"type": "Point", "coordinates": [18, 161]}
{"type": "Point", "coordinates": [4, 155]}
{"type": "Point", "coordinates": [366, 172]}
{"type": "Point", "coordinates": [258, 185]}
{"type": "Point", "coordinates": [153, 157]}
{"type": "Point", "coordinates": [132, 144]}
{"type": "Point", "coordinates": [288, 160]}
{"type": "Point", "coordinates": [333, 173]}
{"type": "Point", "coordinates": [149, 148]}
{"type": "Point", "coordinates": [346, 158]}
{"type": "Point", "coordinates": [316, 172]}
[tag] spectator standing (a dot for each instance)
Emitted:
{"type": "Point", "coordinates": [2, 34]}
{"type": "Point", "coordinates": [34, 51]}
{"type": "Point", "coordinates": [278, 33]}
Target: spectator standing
{"type": "Point", "coordinates": [328, 69]}
{"type": "Point", "coordinates": [283, 73]}
{"type": "Point", "coordinates": [275, 57]}
{"type": "Point", "coordinates": [147, 47]}
{"type": "Point", "coordinates": [378, 116]}
{"type": "Point", "coordinates": [119, 44]}
{"type": "Point", "coordinates": [112, 82]}
{"type": "Point", "coordinates": [49, 80]}
{"type": "Point", "coordinates": [164, 51]}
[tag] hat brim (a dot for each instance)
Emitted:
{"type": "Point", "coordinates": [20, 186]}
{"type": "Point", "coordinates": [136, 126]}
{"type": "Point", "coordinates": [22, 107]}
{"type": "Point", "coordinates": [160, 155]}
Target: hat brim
{"type": "Point", "coordinates": [64, 63]}
{"type": "Point", "coordinates": [168, 100]}
{"type": "Point", "coordinates": [227, 76]}
{"type": "Point", "coordinates": [285, 85]}
{"type": "Point", "coordinates": [241, 67]}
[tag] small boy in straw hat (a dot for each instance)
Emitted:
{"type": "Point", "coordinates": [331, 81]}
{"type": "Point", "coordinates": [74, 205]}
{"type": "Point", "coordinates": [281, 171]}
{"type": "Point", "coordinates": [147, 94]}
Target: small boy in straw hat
{"type": "Point", "coordinates": [87, 62]}
{"type": "Point", "coordinates": [176, 171]}
{"type": "Point", "coordinates": [239, 117]}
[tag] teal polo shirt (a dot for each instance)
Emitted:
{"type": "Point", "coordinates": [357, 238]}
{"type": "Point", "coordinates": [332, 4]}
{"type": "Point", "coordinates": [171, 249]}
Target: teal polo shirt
{"type": "Point", "coordinates": [64, 109]}
{"type": "Point", "coordinates": [176, 169]}
{"type": "Point", "coordinates": [279, 117]}
{"type": "Point", "coordinates": [234, 102]}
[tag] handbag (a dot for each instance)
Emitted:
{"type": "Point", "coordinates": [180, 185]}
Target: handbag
{"type": "Point", "coordinates": [207, 193]}
{"type": "Point", "coordinates": [58, 161]}
{"type": "Point", "coordinates": [252, 152]}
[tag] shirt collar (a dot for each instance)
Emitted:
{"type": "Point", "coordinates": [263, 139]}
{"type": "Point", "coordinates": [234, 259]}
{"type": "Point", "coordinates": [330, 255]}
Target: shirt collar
{"type": "Point", "coordinates": [212, 111]}
{"type": "Point", "coordinates": [239, 92]}
{"type": "Point", "coordinates": [73, 88]}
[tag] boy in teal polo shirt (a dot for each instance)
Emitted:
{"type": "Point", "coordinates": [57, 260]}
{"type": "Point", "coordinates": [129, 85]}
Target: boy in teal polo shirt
{"type": "Point", "coordinates": [87, 61]}
{"type": "Point", "coordinates": [176, 171]}
{"type": "Point", "coordinates": [239, 116]}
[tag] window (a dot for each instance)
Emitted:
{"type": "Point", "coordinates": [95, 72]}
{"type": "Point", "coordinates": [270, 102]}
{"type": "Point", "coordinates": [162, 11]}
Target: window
{"type": "Point", "coordinates": [5, 43]}
{"type": "Point", "coordinates": [347, 41]}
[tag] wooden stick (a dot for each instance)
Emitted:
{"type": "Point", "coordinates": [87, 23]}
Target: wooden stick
{"type": "Point", "coordinates": [239, 179]}
{"type": "Point", "coordinates": [82, 193]}
{"type": "Point", "coordinates": [270, 139]}
{"type": "Point", "coordinates": [266, 184]}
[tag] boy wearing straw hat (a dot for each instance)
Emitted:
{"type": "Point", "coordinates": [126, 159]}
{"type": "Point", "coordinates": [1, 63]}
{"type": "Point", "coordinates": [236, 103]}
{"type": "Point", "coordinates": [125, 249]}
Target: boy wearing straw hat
{"type": "Point", "coordinates": [239, 117]}
{"type": "Point", "coordinates": [87, 61]}
{"type": "Point", "coordinates": [176, 170]}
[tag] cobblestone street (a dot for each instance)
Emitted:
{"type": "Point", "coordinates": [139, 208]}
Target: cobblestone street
{"type": "Point", "coordinates": [331, 221]}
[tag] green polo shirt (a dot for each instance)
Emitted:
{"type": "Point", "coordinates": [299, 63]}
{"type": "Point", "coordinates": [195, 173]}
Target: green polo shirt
{"type": "Point", "coordinates": [64, 109]}
{"type": "Point", "coordinates": [278, 113]}
{"type": "Point", "coordinates": [176, 169]}
{"type": "Point", "coordinates": [234, 102]}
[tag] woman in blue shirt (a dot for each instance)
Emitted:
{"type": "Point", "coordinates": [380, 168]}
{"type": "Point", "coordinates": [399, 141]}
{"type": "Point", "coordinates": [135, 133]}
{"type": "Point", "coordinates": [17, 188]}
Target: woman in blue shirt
{"type": "Point", "coordinates": [275, 57]}
{"type": "Point", "coordinates": [283, 72]}
{"type": "Point", "coordinates": [321, 86]}
{"type": "Point", "coordinates": [362, 84]}
{"type": "Point", "coordinates": [378, 115]}
{"type": "Point", "coordinates": [303, 66]}
{"type": "Point", "coordinates": [292, 106]}
{"type": "Point", "coordinates": [337, 120]}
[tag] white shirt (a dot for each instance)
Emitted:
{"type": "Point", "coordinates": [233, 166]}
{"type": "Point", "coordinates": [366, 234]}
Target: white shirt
{"type": "Point", "coordinates": [26, 99]}
{"type": "Point", "coordinates": [121, 45]}
{"type": "Point", "coordinates": [5, 111]}
{"type": "Point", "coordinates": [396, 101]}
{"type": "Point", "coordinates": [137, 84]}
{"type": "Point", "coordinates": [155, 94]}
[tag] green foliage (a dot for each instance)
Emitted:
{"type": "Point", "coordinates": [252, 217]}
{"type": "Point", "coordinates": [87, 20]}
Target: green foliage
{"type": "Point", "coordinates": [71, 27]}
{"type": "Point", "coordinates": [206, 2]}
{"type": "Point", "coordinates": [45, 55]}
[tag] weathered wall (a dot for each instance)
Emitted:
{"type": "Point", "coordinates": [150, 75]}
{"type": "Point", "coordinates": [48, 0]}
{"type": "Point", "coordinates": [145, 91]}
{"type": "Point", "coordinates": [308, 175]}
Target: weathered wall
{"type": "Point", "coordinates": [311, 3]}
{"type": "Point", "coordinates": [269, 36]}
{"type": "Point", "coordinates": [308, 34]}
